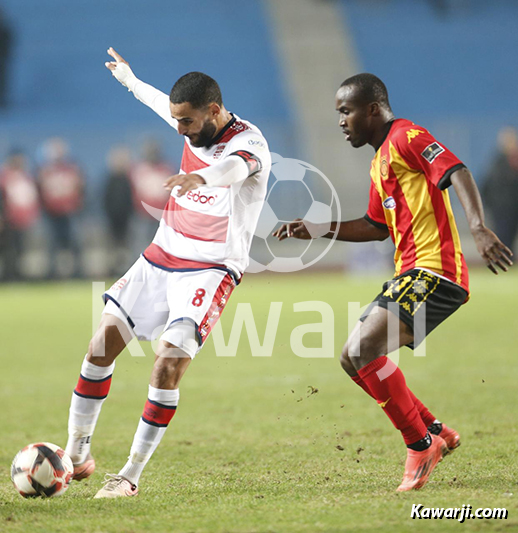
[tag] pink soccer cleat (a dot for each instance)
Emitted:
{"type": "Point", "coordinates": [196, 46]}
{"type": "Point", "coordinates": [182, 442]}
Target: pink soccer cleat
{"type": "Point", "coordinates": [85, 469]}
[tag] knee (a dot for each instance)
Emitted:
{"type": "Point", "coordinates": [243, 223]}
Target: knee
{"type": "Point", "coordinates": [360, 351]}
{"type": "Point", "coordinates": [346, 363]}
{"type": "Point", "coordinates": [368, 350]}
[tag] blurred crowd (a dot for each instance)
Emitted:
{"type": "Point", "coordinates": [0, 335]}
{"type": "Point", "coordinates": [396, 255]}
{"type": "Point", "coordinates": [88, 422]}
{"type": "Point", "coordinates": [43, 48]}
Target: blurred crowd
{"type": "Point", "coordinates": [500, 188]}
{"type": "Point", "coordinates": [46, 221]}
{"type": "Point", "coordinates": [49, 229]}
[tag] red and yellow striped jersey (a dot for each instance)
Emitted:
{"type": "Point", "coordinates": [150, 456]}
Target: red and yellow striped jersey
{"type": "Point", "coordinates": [410, 174]}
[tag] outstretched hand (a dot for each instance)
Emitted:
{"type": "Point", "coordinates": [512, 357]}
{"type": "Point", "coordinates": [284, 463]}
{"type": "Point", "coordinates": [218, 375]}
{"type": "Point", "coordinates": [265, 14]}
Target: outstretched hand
{"type": "Point", "coordinates": [186, 182]}
{"type": "Point", "coordinates": [121, 70]}
{"type": "Point", "coordinates": [112, 65]}
{"type": "Point", "coordinates": [493, 250]}
{"type": "Point", "coordinates": [296, 229]}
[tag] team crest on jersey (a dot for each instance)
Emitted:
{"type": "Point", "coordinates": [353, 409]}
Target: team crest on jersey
{"type": "Point", "coordinates": [431, 152]}
{"type": "Point", "coordinates": [117, 286]}
{"type": "Point", "coordinates": [412, 133]}
{"type": "Point", "coordinates": [389, 203]}
{"type": "Point", "coordinates": [384, 168]}
{"type": "Point", "coordinates": [219, 150]}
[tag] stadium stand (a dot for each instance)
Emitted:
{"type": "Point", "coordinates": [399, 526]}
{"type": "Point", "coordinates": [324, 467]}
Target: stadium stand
{"type": "Point", "coordinates": [449, 81]}
{"type": "Point", "coordinates": [60, 86]}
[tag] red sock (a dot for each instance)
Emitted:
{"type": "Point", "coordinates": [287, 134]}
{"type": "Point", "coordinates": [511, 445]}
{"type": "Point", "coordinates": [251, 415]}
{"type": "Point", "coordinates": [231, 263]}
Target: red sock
{"type": "Point", "coordinates": [95, 389]}
{"type": "Point", "coordinates": [425, 414]}
{"type": "Point", "coordinates": [359, 381]}
{"type": "Point", "coordinates": [393, 396]}
{"type": "Point", "coordinates": [157, 414]}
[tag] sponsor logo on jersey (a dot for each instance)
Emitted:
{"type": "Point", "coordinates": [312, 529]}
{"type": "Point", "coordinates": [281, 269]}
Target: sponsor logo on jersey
{"type": "Point", "coordinates": [412, 134]}
{"type": "Point", "coordinates": [389, 203]}
{"type": "Point", "coordinates": [431, 152]}
{"type": "Point", "coordinates": [201, 198]}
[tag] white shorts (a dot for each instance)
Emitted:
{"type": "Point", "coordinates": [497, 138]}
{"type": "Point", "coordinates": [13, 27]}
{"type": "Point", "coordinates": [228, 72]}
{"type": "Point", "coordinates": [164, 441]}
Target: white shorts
{"type": "Point", "coordinates": [151, 300]}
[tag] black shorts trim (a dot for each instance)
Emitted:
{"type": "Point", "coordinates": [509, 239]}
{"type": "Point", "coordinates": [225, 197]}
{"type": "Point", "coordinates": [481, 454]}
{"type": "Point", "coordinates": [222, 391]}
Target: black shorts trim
{"type": "Point", "coordinates": [107, 297]}
{"type": "Point", "coordinates": [189, 319]}
{"type": "Point", "coordinates": [419, 299]}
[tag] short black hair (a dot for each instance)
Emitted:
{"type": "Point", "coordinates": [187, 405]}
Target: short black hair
{"type": "Point", "coordinates": [370, 88]}
{"type": "Point", "coordinates": [197, 89]}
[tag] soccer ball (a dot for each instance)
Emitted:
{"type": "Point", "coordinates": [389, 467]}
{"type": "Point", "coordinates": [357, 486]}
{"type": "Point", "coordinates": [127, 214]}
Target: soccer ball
{"type": "Point", "coordinates": [298, 190]}
{"type": "Point", "coordinates": [41, 469]}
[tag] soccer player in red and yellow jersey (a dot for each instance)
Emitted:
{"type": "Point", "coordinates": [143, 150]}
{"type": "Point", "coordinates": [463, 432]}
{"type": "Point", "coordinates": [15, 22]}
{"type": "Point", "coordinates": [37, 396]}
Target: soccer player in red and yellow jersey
{"type": "Point", "coordinates": [409, 202]}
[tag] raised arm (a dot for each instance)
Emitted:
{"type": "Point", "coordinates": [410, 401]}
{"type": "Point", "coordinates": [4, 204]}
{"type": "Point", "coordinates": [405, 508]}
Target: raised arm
{"type": "Point", "coordinates": [147, 94]}
{"type": "Point", "coordinates": [358, 230]}
{"type": "Point", "coordinates": [490, 247]}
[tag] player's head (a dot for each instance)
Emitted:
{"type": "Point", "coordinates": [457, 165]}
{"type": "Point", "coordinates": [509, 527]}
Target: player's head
{"type": "Point", "coordinates": [196, 103]}
{"type": "Point", "coordinates": [363, 104]}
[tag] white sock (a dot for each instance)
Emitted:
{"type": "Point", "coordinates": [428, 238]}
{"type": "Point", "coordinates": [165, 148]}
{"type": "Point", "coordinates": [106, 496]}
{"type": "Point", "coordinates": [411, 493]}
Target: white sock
{"type": "Point", "coordinates": [85, 408]}
{"type": "Point", "coordinates": [161, 403]}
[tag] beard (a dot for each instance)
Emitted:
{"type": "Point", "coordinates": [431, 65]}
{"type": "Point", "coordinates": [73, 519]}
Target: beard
{"type": "Point", "coordinates": [204, 137]}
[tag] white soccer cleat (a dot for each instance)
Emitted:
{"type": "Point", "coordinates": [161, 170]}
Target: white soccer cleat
{"type": "Point", "coordinates": [116, 487]}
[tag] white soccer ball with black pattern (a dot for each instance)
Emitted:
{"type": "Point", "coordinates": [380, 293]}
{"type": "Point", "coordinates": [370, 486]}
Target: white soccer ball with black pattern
{"type": "Point", "coordinates": [41, 469]}
{"type": "Point", "coordinates": [296, 190]}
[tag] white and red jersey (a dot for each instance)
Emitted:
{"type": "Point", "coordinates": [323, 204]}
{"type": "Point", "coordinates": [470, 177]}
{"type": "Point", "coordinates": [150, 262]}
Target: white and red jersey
{"type": "Point", "coordinates": [213, 225]}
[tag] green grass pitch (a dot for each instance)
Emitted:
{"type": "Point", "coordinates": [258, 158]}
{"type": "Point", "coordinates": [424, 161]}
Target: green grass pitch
{"type": "Point", "coordinates": [254, 447]}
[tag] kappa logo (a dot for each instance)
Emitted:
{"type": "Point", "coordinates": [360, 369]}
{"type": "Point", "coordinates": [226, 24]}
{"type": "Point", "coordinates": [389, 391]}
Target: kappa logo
{"type": "Point", "coordinates": [431, 152]}
{"type": "Point", "coordinates": [389, 203]}
{"type": "Point", "coordinates": [411, 134]}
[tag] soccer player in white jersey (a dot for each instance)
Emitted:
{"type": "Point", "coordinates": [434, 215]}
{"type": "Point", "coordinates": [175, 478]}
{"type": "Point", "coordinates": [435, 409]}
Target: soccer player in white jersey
{"type": "Point", "coordinates": [178, 287]}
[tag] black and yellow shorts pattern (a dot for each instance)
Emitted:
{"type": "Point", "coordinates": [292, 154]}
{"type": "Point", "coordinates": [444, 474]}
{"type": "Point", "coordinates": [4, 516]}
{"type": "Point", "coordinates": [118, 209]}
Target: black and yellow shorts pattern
{"type": "Point", "coordinates": [420, 299]}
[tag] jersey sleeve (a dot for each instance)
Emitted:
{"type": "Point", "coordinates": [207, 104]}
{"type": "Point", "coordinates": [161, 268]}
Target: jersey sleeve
{"type": "Point", "coordinates": [423, 152]}
{"type": "Point", "coordinates": [226, 172]}
{"type": "Point", "coordinates": [375, 214]}
{"type": "Point", "coordinates": [251, 148]}
{"type": "Point", "coordinates": [155, 100]}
